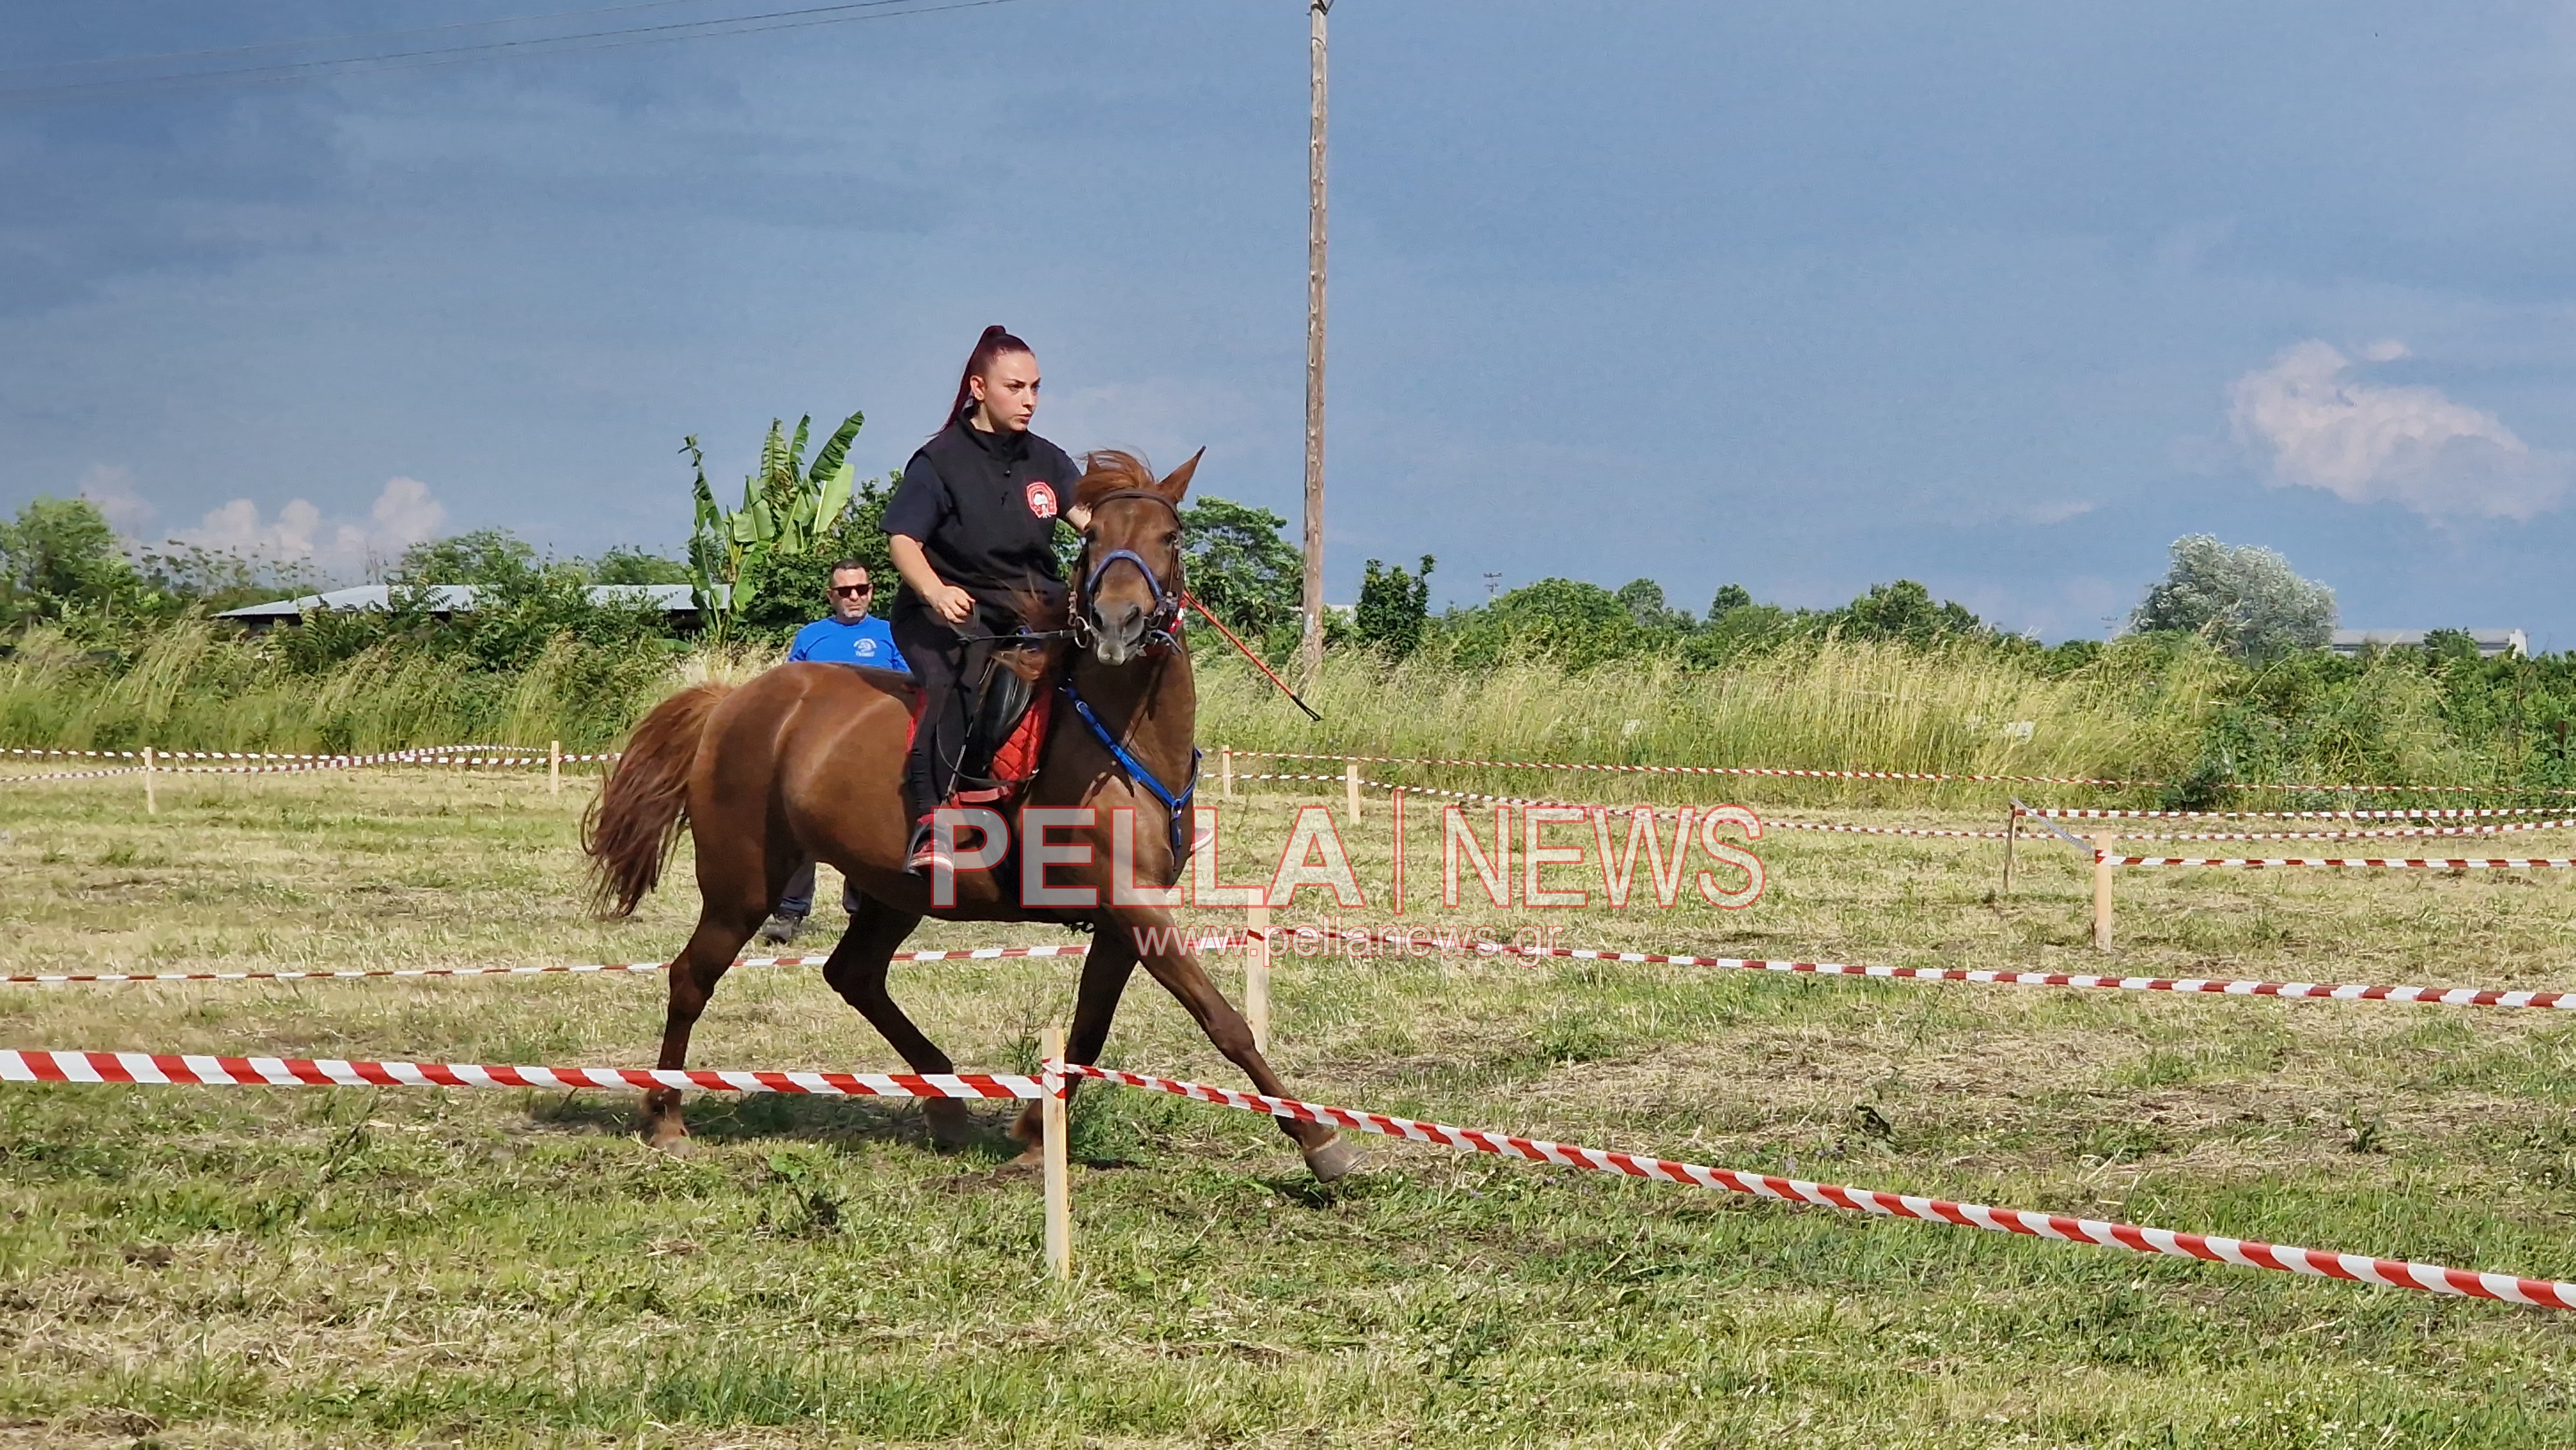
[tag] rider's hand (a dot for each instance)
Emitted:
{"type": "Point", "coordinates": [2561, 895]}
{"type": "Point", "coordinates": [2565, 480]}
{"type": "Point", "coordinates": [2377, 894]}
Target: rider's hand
{"type": "Point", "coordinates": [952, 604]}
{"type": "Point", "coordinates": [1079, 517]}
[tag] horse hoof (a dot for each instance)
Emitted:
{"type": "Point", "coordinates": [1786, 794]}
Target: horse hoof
{"type": "Point", "coordinates": [1331, 1159]}
{"type": "Point", "coordinates": [674, 1141]}
{"type": "Point", "coordinates": [948, 1122]}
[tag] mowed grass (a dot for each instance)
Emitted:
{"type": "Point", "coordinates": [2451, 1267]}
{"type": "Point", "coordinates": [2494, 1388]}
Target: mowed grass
{"type": "Point", "coordinates": [200, 1266]}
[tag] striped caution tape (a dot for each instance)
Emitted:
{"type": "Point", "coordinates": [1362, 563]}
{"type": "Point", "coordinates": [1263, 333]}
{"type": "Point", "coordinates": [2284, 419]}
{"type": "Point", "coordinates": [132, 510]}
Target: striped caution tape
{"type": "Point", "coordinates": [2418, 833]}
{"type": "Point", "coordinates": [1418, 940]}
{"type": "Point", "coordinates": [2393, 813]}
{"type": "Point", "coordinates": [1782, 772]}
{"type": "Point", "coordinates": [962, 954]}
{"type": "Point", "coordinates": [149, 1069]}
{"type": "Point", "coordinates": [1753, 770]}
{"type": "Point", "coordinates": [1768, 825]}
{"type": "Point", "coordinates": [2169, 1243]}
{"type": "Point", "coordinates": [2455, 863]}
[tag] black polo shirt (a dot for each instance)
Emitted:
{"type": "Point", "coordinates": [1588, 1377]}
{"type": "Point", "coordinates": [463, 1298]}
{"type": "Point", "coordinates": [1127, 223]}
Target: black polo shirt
{"type": "Point", "coordinates": [983, 507]}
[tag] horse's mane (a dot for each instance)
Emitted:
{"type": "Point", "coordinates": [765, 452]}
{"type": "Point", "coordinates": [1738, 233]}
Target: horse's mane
{"type": "Point", "coordinates": [1108, 470]}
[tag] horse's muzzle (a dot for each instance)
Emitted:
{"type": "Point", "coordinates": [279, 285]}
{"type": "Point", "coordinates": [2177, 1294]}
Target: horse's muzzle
{"type": "Point", "coordinates": [1119, 631]}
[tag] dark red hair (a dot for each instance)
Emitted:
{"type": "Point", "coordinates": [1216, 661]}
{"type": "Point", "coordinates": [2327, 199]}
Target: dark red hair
{"type": "Point", "coordinates": [996, 342]}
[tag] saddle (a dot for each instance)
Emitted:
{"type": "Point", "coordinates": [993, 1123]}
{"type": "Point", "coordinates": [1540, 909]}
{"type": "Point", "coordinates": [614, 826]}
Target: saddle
{"type": "Point", "coordinates": [1006, 729]}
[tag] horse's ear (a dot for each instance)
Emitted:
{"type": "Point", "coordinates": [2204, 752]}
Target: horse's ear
{"type": "Point", "coordinates": [1177, 485]}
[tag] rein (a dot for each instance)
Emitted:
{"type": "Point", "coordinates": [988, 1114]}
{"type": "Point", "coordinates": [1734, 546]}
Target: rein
{"type": "Point", "coordinates": [1159, 639]}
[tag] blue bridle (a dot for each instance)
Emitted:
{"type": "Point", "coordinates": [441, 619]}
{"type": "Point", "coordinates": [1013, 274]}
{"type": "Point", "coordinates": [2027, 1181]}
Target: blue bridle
{"type": "Point", "coordinates": [1167, 604]}
{"type": "Point", "coordinates": [1158, 635]}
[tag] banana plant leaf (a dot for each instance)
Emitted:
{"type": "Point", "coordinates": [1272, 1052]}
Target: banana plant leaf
{"type": "Point", "coordinates": [834, 458]}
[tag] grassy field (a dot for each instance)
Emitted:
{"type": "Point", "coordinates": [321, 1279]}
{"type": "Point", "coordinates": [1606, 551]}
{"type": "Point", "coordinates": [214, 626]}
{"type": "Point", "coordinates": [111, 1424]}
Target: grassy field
{"type": "Point", "coordinates": [346, 1267]}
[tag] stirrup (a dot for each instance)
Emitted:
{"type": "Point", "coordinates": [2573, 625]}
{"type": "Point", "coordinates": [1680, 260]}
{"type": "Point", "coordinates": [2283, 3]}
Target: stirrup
{"type": "Point", "coordinates": [924, 854]}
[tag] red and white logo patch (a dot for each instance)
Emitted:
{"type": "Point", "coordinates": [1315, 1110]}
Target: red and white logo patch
{"type": "Point", "coordinates": [1041, 499]}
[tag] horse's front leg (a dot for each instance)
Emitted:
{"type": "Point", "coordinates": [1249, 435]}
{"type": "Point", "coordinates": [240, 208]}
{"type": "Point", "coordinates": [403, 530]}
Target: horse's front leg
{"type": "Point", "coordinates": [1176, 966]}
{"type": "Point", "coordinates": [1105, 970]}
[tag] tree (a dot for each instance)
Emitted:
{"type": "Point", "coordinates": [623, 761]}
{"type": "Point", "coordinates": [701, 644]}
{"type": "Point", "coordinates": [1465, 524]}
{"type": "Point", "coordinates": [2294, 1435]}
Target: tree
{"type": "Point", "coordinates": [1240, 567]}
{"type": "Point", "coordinates": [786, 508]}
{"type": "Point", "coordinates": [626, 564]}
{"type": "Point", "coordinates": [1730, 597]}
{"type": "Point", "coordinates": [2247, 600]}
{"type": "Point", "coordinates": [1644, 599]}
{"type": "Point", "coordinates": [59, 557]}
{"type": "Point", "coordinates": [485, 558]}
{"type": "Point", "coordinates": [1393, 607]}
{"type": "Point", "coordinates": [1903, 611]}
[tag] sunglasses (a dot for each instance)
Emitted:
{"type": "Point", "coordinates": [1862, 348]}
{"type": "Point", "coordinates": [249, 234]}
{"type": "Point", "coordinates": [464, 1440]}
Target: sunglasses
{"type": "Point", "coordinates": [853, 589]}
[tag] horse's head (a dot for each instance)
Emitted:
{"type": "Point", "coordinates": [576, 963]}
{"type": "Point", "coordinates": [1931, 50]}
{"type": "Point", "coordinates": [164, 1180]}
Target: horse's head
{"type": "Point", "coordinates": [1129, 575]}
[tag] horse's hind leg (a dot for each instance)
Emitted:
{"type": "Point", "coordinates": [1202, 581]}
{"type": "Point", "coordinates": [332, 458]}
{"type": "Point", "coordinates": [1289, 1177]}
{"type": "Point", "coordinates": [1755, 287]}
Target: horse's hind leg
{"type": "Point", "coordinates": [857, 970]}
{"type": "Point", "coordinates": [694, 974]}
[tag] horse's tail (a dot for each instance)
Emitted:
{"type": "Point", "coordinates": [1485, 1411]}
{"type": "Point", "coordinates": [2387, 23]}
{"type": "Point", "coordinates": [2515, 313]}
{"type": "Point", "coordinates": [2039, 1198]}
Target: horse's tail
{"type": "Point", "coordinates": [633, 826]}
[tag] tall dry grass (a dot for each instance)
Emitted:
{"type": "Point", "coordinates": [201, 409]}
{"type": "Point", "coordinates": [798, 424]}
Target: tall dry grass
{"type": "Point", "coordinates": [1836, 706]}
{"type": "Point", "coordinates": [2139, 710]}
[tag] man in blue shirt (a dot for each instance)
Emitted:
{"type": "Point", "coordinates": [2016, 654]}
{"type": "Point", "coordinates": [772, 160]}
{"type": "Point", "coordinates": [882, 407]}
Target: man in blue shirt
{"type": "Point", "coordinates": [849, 635]}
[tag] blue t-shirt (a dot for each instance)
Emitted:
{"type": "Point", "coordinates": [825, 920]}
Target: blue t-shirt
{"type": "Point", "coordinates": [864, 641]}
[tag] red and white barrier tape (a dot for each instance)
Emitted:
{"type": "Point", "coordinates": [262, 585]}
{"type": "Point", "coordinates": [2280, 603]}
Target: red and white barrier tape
{"type": "Point", "coordinates": [2210, 1248]}
{"type": "Point", "coordinates": [2418, 833]}
{"type": "Point", "coordinates": [78, 774]}
{"type": "Point", "coordinates": [2499, 863]}
{"type": "Point", "coordinates": [1768, 825]}
{"type": "Point", "coordinates": [963, 954]}
{"type": "Point", "coordinates": [2398, 813]}
{"type": "Point", "coordinates": [1286, 937]}
{"type": "Point", "coordinates": [1684, 769]}
{"type": "Point", "coordinates": [1753, 770]}
{"type": "Point", "coordinates": [161, 1069]}
{"type": "Point", "coordinates": [469, 756]}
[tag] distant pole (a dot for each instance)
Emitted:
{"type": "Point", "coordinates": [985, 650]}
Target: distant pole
{"type": "Point", "coordinates": [1310, 653]}
{"type": "Point", "coordinates": [2103, 847]}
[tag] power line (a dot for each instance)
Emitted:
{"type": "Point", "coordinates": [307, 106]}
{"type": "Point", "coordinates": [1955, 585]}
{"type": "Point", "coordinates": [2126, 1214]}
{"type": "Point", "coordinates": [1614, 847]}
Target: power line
{"type": "Point", "coordinates": [318, 41]}
{"type": "Point", "coordinates": [612, 39]}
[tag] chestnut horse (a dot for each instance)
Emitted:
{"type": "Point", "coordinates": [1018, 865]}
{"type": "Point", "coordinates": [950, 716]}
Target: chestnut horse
{"type": "Point", "coordinates": [806, 762]}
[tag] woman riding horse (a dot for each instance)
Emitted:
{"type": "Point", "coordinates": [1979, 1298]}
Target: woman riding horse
{"type": "Point", "coordinates": [972, 530]}
{"type": "Point", "coordinates": [807, 762]}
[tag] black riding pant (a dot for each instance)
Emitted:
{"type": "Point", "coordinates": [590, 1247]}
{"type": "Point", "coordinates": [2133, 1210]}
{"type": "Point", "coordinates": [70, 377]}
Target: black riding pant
{"type": "Point", "coordinates": [948, 663]}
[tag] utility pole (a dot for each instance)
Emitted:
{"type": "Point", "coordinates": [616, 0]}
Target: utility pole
{"type": "Point", "coordinates": [1311, 650]}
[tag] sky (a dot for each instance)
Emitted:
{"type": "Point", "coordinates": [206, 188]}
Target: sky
{"type": "Point", "coordinates": [2001, 298]}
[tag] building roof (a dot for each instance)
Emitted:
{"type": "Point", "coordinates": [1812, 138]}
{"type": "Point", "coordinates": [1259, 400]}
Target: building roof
{"type": "Point", "coordinates": [2490, 642]}
{"type": "Point", "coordinates": [456, 599]}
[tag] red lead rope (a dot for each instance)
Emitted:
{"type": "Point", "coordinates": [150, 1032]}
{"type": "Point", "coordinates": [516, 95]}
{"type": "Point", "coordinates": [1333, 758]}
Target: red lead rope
{"type": "Point", "coordinates": [1246, 651]}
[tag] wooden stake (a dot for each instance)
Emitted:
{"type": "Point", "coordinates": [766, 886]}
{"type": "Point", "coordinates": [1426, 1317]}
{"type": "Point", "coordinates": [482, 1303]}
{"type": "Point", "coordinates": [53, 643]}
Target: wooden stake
{"type": "Point", "coordinates": [554, 767]}
{"type": "Point", "coordinates": [1059, 1174]}
{"type": "Point", "coordinates": [1256, 976]}
{"type": "Point", "coordinates": [2012, 824]}
{"type": "Point", "coordinates": [1225, 772]}
{"type": "Point", "coordinates": [1351, 788]}
{"type": "Point", "coordinates": [151, 800]}
{"type": "Point", "coordinates": [2104, 847]}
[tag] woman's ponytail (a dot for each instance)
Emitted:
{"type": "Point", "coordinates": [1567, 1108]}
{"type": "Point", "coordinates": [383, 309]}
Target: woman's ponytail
{"type": "Point", "coordinates": [997, 341]}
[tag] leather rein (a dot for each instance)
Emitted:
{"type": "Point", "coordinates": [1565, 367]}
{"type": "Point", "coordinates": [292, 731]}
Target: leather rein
{"type": "Point", "coordinates": [1159, 641]}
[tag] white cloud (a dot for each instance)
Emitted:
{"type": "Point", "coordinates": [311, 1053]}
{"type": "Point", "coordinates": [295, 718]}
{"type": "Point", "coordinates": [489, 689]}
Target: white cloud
{"type": "Point", "coordinates": [2058, 511]}
{"type": "Point", "coordinates": [2321, 427]}
{"type": "Point", "coordinates": [404, 514]}
{"type": "Point", "coordinates": [112, 489]}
